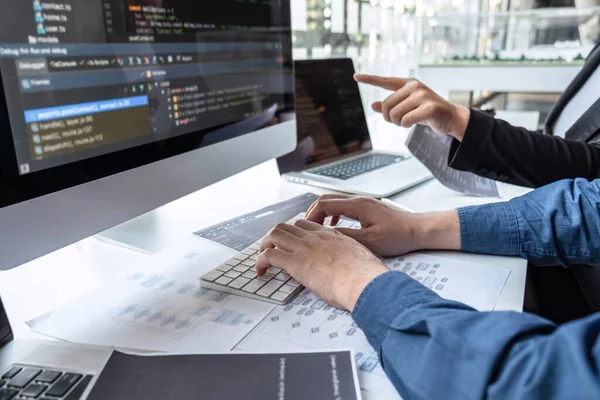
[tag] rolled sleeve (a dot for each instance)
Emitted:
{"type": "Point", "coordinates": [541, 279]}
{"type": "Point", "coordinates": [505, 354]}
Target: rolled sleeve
{"type": "Point", "coordinates": [556, 224]}
{"type": "Point", "coordinates": [489, 229]}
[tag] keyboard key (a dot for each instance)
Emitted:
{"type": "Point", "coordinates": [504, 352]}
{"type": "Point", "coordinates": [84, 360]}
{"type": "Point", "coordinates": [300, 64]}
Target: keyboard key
{"type": "Point", "coordinates": [212, 276]}
{"type": "Point", "coordinates": [224, 268]}
{"type": "Point", "coordinates": [223, 281]}
{"type": "Point", "coordinates": [232, 262]}
{"type": "Point", "coordinates": [239, 257]}
{"type": "Point", "coordinates": [79, 389]}
{"type": "Point", "coordinates": [62, 386]}
{"type": "Point", "coordinates": [33, 390]}
{"type": "Point", "coordinates": [232, 274]}
{"type": "Point", "coordinates": [251, 274]}
{"type": "Point", "coordinates": [24, 377]}
{"type": "Point", "coordinates": [253, 257]}
{"type": "Point", "coordinates": [248, 263]}
{"type": "Point", "coordinates": [283, 276]}
{"type": "Point", "coordinates": [293, 282]}
{"type": "Point", "coordinates": [8, 394]}
{"type": "Point", "coordinates": [265, 277]}
{"type": "Point", "coordinates": [269, 288]}
{"type": "Point", "coordinates": [279, 296]}
{"type": "Point", "coordinates": [253, 286]}
{"type": "Point", "coordinates": [48, 376]}
{"type": "Point", "coordinates": [274, 270]}
{"type": "Point", "coordinates": [288, 288]}
{"type": "Point", "coordinates": [241, 268]}
{"type": "Point", "coordinates": [11, 372]}
{"type": "Point", "coordinates": [239, 283]}
{"type": "Point", "coordinates": [248, 252]}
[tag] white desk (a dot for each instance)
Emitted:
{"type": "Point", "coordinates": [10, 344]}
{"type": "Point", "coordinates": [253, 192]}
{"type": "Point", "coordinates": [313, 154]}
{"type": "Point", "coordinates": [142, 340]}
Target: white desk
{"type": "Point", "coordinates": [45, 284]}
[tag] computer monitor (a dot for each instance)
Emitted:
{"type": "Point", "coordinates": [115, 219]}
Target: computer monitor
{"type": "Point", "coordinates": [112, 108]}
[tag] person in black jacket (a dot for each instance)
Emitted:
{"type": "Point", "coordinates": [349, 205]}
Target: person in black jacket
{"type": "Point", "coordinates": [568, 148]}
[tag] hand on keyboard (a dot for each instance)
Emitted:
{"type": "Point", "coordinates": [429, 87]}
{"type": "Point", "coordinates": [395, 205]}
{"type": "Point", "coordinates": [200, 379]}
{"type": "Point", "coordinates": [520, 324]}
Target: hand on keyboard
{"type": "Point", "coordinates": [238, 276]}
{"type": "Point", "coordinates": [386, 231]}
{"type": "Point", "coordinates": [329, 263]}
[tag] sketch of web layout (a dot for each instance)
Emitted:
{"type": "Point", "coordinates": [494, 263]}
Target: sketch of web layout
{"type": "Point", "coordinates": [308, 323]}
{"type": "Point", "coordinates": [160, 309]}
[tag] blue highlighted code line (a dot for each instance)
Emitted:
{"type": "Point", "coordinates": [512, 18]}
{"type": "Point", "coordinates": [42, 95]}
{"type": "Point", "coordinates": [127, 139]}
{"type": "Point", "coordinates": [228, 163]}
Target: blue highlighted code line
{"type": "Point", "coordinates": [74, 110]}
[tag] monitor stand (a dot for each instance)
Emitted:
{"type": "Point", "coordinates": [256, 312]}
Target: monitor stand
{"type": "Point", "coordinates": [148, 233]}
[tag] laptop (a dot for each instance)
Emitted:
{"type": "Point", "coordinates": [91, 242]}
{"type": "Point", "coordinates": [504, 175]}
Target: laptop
{"type": "Point", "coordinates": [334, 148]}
{"type": "Point", "coordinates": [46, 370]}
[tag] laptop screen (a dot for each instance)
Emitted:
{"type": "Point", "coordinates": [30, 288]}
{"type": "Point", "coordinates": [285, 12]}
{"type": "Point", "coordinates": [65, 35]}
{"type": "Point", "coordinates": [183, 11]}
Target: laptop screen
{"type": "Point", "coordinates": [5, 332]}
{"type": "Point", "coordinates": [330, 115]}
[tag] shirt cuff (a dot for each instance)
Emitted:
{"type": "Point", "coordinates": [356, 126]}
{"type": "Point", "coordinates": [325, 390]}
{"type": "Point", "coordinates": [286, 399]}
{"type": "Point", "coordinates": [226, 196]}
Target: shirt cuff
{"type": "Point", "coordinates": [384, 298]}
{"type": "Point", "coordinates": [489, 229]}
{"type": "Point", "coordinates": [467, 155]}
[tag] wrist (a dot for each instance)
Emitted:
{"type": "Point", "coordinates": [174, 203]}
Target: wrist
{"type": "Point", "coordinates": [461, 122]}
{"type": "Point", "coordinates": [359, 283]}
{"type": "Point", "coordinates": [437, 231]}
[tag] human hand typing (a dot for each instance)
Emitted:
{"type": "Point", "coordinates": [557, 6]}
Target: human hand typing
{"type": "Point", "coordinates": [332, 265]}
{"type": "Point", "coordinates": [387, 231]}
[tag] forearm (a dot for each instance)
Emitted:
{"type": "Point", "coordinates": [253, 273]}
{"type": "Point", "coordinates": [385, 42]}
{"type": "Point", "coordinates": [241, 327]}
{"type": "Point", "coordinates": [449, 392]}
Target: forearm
{"type": "Point", "coordinates": [497, 150]}
{"type": "Point", "coordinates": [422, 338]}
{"type": "Point", "coordinates": [556, 224]}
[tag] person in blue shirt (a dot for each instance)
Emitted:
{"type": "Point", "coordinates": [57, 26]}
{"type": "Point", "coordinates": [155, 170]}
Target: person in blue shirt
{"type": "Point", "coordinates": [432, 348]}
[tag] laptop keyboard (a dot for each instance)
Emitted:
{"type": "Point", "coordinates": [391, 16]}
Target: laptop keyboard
{"type": "Point", "coordinates": [26, 382]}
{"type": "Point", "coordinates": [238, 276]}
{"type": "Point", "coordinates": [357, 166]}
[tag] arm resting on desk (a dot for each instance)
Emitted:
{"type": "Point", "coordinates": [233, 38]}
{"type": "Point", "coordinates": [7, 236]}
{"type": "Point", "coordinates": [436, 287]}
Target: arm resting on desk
{"type": "Point", "coordinates": [432, 348]}
{"type": "Point", "coordinates": [497, 150]}
{"type": "Point", "coordinates": [556, 224]}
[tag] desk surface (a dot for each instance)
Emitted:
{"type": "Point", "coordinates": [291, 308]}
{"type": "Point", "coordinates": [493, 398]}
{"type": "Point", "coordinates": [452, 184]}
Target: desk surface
{"type": "Point", "coordinates": [45, 284]}
{"type": "Point", "coordinates": [56, 279]}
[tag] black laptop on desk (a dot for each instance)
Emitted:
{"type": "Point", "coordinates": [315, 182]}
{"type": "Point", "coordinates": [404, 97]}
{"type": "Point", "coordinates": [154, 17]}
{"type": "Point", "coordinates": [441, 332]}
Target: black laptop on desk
{"type": "Point", "coordinates": [46, 370]}
{"type": "Point", "coordinates": [334, 148]}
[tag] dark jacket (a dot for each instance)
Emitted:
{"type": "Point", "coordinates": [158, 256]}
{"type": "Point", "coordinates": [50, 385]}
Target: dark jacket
{"type": "Point", "coordinates": [495, 149]}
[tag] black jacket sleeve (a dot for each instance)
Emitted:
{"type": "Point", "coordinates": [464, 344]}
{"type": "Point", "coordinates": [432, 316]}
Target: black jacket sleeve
{"type": "Point", "coordinates": [495, 149]}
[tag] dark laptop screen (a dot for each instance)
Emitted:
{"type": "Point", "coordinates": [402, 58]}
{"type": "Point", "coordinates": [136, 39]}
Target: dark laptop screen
{"type": "Point", "coordinates": [5, 333]}
{"type": "Point", "coordinates": [330, 115]}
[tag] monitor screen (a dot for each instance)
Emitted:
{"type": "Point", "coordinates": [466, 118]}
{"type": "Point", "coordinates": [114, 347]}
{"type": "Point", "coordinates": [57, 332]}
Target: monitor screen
{"type": "Point", "coordinates": [330, 114]}
{"type": "Point", "coordinates": [94, 87]}
{"type": "Point", "coordinates": [5, 332]}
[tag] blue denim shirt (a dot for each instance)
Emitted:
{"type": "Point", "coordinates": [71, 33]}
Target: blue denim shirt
{"type": "Point", "coordinates": [433, 348]}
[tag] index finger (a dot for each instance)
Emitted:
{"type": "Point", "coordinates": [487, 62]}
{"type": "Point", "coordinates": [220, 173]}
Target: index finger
{"type": "Point", "coordinates": [385, 83]}
{"type": "Point", "coordinates": [326, 197]}
{"type": "Point", "coordinates": [349, 208]}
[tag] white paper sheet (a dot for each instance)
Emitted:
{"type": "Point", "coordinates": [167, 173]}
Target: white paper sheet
{"type": "Point", "coordinates": [310, 324]}
{"type": "Point", "coordinates": [478, 286]}
{"type": "Point", "coordinates": [159, 307]}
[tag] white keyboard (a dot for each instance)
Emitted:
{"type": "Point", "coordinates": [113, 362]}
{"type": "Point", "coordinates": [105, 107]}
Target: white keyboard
{"type": "Point", "coordinates": [238, 275]}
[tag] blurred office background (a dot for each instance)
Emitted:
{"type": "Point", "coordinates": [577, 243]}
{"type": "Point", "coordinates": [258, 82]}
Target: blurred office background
{"type": "Point", "coordinates": [468, 50]}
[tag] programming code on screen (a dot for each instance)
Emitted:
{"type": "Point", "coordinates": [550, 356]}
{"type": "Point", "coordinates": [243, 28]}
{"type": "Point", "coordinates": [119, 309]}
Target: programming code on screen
{"type": "Point", "coordinates": [86, 78]}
